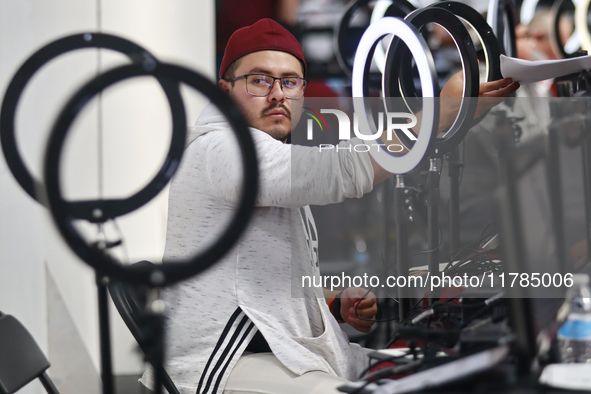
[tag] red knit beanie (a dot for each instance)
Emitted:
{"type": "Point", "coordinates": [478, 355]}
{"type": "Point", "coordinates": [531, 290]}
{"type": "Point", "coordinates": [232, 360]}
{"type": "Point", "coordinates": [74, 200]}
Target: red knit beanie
{"type": "Point", "coordinates": [266, 34]}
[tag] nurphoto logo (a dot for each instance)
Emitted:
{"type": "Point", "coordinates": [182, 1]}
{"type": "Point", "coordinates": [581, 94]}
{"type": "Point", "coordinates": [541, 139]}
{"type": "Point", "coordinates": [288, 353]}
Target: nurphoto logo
{"type": "Point", "coordinates": [391, 119]}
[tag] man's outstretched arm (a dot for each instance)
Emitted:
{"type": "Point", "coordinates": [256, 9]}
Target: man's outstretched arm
{"type": "Point", "coordinates": [493, 92]}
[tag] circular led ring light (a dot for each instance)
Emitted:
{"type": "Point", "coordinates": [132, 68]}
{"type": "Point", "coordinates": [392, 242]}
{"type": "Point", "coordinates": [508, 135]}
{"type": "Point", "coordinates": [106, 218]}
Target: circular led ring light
{"type": "Point", "coordinates": [44, 55]}
{"type": "Point", "coordinates": [61, 210]}
{"type": "Point", "coordinates": [100, 211]}
{"type": "Point", "coordinates": [397, 59]}
{"type": "Point", "coordinates": [581, 24]}
{"type": "Point", "coordinates": [397, 9]}
{"type": "Point", "coordinates": [424, 60]}
{"type": "Point", "coordinates": [379, 11]}
{"type": "Point", "coordinates": [340, 36]}
{"type": "Point", "coordinates": [528, 9]}
{"type": "Point", "coordinates": [498, 10]}
{"type": "Point", "coordinates": [577, 40]}
{"type": "Point", "coordinates": [492, 50]}
{"type": "Point", "coordinates": [573, 44]}
{"type": "Point", "coordinates": [490, 44]}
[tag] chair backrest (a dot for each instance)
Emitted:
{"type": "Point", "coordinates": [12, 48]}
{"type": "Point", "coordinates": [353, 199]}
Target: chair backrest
{"type": "Point", "coordinates": [130, 301]}
{"type": "Point", "coordinates": [21, 359]}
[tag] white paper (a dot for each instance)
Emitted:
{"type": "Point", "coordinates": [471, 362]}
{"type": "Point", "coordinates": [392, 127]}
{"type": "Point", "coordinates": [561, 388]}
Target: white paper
{"type": "Point", "coordinates": [532, 71]}
{"type": "Point", "coordinates": [567, 376]}
{"type": "Point", "coordinates": [403, 351]}
{"type": "Point", "coordinates": [447, 372]}
{"type": "Point", "coordinates": [395, 352]}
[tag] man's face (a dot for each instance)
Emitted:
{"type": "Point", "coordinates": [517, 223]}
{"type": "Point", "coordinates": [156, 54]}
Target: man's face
{"type": "Point", "coordinates": [274, 114]}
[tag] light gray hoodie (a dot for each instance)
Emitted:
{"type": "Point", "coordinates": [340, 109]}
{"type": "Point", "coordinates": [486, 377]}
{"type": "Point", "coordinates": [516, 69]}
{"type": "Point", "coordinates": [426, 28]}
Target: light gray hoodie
{"type": "Point", "coordinates": [257, 285]}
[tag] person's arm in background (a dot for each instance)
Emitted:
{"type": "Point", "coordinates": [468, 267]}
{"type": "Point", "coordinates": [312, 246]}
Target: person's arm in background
{"type": "Point", "coordinates": [286, 12]}
{"type": "Point", "coordinates": [358, 306]}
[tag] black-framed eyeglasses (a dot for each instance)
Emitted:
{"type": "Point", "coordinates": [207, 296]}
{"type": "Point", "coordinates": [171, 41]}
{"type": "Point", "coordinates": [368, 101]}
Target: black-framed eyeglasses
{"type": "Point", "coordinates": [260, 85]}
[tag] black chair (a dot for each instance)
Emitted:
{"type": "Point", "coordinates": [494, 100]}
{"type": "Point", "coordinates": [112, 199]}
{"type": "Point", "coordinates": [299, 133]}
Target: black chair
{"type": "Point", "coordinates": [21, 359]}
{"type": "Point", "coordinates": [130, 301]}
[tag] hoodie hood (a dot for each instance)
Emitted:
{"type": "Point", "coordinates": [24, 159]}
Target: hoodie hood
{"type": "Point", "coordinates": [210, 119]}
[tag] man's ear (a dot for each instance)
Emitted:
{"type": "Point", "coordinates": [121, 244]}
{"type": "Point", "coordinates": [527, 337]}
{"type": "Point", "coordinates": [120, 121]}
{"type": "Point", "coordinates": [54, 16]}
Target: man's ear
{"type": "Point", "coordinates": [224, 85]}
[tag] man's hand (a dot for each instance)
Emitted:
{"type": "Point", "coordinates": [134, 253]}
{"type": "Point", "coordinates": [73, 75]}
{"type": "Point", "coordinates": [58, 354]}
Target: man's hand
{"type": "Point", "coordinates": [359, 308]}
{"type": "Point", "coordinates": [492, 94]}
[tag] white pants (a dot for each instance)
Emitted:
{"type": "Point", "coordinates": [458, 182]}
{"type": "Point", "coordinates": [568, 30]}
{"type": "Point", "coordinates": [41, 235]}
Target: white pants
{"type": "Point", "coordinates": [263, 373]}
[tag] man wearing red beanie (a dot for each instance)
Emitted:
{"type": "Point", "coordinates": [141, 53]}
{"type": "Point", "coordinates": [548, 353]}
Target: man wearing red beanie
{"type": "Point", "coordinates": [256, 49]}
{"type": "Point", "coordinates": [237, 328]}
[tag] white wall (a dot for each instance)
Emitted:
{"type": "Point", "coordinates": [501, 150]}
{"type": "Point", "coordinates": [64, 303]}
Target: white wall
{"type": "Point", "coordinates": [131, 123]}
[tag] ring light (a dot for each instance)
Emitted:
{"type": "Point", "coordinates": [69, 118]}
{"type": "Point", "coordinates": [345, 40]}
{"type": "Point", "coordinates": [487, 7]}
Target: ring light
{"type": "Point", "coordinates": [398, 66]}
{"type": "Point", "coordinates": [65, 212]}
{"type": "Point", "coordinates": [424, 60]}
{"type": "Point", "coordinates": [37, 61]}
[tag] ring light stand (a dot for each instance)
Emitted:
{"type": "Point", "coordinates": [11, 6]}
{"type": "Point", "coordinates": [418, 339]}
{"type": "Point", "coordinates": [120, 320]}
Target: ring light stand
{"type": "Point", "coordinates": [65, 212]}
{"type": "Point", "coordinates": [98, 211]}
{"type": "Point", "coordinates": [393, 88]}
{"type": "Point", "coordinates": [35, 188]}
{"type": "Point", "coordinates": [492, 54]}
{"type": "Point", "coordinates": [430, 119]}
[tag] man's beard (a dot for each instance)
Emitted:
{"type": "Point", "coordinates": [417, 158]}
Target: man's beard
{"type": "Point", "coordinates": [278, 132]}
{"type": "Point", "coordinates": [252, 120]}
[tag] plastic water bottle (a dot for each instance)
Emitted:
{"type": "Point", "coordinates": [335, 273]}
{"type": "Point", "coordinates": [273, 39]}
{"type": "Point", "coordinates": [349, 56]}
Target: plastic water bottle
{"type": "Point", "coordinates": [574, 336]}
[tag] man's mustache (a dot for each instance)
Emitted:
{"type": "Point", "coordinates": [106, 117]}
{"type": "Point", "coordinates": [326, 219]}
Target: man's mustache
{"type": "Point", "coordinates": [275, 106]}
